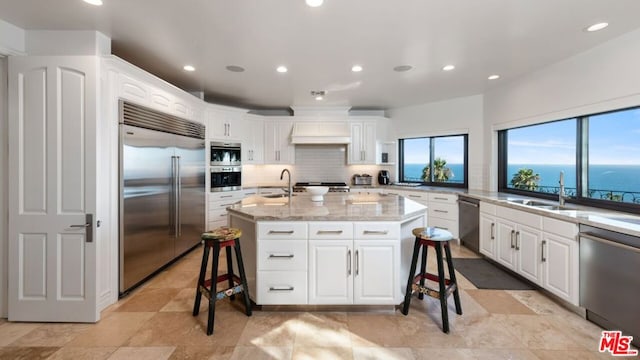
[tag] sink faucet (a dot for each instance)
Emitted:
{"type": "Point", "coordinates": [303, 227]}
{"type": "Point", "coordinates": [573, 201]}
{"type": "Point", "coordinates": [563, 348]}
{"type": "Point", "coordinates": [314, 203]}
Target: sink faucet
{"type": "Point", "coordinates": [561, 195]}
{"type": "Point", "coordinates": [290, 190]}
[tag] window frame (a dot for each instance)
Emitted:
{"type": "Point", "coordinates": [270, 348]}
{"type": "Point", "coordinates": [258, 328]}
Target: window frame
{"type": "Point", "coordinates": [582, 167]}
{"type": "Point", "coordinates": [465, 180]}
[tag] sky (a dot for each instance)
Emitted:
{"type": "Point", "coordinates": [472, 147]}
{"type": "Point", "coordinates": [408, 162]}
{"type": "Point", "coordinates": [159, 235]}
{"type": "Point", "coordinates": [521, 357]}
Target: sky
{"type": "Point", "coordinates": [450, 148]}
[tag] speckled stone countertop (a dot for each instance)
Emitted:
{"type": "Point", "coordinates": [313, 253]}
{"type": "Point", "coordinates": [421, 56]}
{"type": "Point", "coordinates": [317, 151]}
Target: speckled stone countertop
{"type": "Point", "coordinates": [606, 219]}
{"type": "Point", "coordinates": [335, 207]}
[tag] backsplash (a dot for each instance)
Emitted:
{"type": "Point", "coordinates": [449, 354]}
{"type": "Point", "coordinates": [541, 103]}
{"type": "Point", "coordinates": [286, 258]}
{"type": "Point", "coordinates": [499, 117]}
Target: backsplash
{"type": "Point", "coordinates": [321, 163]}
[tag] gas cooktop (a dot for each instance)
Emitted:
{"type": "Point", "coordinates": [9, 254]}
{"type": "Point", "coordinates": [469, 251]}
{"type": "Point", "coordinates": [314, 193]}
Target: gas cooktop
{"type": "Point", "coordinates": [333, 186]}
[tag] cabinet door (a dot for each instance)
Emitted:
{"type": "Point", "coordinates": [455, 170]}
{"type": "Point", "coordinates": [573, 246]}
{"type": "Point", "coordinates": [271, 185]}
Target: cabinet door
{"type": "Point", "coordinates": [375, 272]}
{"type": "Point", "coordinates": [488, 236]}
{"type": "Point", "coordinates": [270, 142]}
{"type": "Point", "coordinates": [528, 253]}
{"type": "Point", "coordinates": [506, 243]}
{"type": "Point", "coordinates": [559, 257]}
{"type": "Point", "coordinates": [355, 148]}
{"type": "Point", "coordinates": [331, 271]}
{"type": "Point", "coordinates": [369, 142]}
{"type": "Point", "coordinates": [217, 125]}
{"type": "Point", "coordinates": [287, 150]}
{"type": "Point", "coordinates": [253, 141]}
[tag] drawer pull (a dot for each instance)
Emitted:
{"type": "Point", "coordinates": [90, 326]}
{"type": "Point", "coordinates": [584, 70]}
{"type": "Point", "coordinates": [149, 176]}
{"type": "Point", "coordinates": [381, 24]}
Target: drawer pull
{"type": "Point", "coordinates": [375, 232]}
{"type": "Point", "coordinates": [223, 215]}
{"type": "Point", "coordinates": [225, 196]}
{"type": "Point", "coordinates": [288, 232]}
{"type": "Point", "coordinates": [274, 256]}
{"type": "Point", "coordinates": [288, 288]}
{"type": "Point", "coordinates": [440, 198]}
{"type": "Point", "coordinates": [441, 228]}
{"type": "Point", "coordinates": [414, 196]}
{"type": "Point", "coordinates": [326, 232]}
{"type": "Point", "coordinates": [225, 205]}
{"type": "Point", "coordinates": [441, 211]}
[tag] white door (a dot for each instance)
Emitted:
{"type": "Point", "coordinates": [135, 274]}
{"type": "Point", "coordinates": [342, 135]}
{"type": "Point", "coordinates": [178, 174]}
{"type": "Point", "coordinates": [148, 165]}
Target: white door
{"type": "Point", "coordinates": [528, 253]}
{"type": "Point", "coordinates": [506, 244]}
{"type": "Point", "coordinates": [52, 187]}
{"type": "Point", "coordinates": [369, 142]}
{"type": "Point", "coordinates": [331, 272]}
{"type": "Point", "coordinates": [356, 155]}
{"type": "Point", "coordinates": [375, 266]}
{"type": "Point", "coordinates": [560, 268]}
{"type": "Point", "coordinates": [488, 236]}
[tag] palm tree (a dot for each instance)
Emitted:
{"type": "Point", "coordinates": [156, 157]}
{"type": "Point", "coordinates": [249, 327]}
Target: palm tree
{"type": "Point", "coordinates": [441, 172]}
{"type": "Point", "coordinates": [525, 179]}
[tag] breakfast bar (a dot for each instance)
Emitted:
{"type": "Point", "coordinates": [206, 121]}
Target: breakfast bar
{"type": "Point", "coordinates": [347, 249]}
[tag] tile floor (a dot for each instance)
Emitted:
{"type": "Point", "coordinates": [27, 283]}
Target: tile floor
{"type": "Point", "coordinates": [155, 322]}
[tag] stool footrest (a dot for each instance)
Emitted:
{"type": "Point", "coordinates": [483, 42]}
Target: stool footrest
{"type": "Point", "coordinates": [223, 293]}
{"type": "Point", "coordinates": [415, 288]}
{"type": "Point", "coordinates": [222, 278]}
{"type": "Point", "coordinates": [431, 277]}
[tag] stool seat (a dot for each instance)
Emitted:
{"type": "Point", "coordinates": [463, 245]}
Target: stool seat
{"type": "Point", "coordinates": [223, 233]}
{"type": "Point", "coordinates": [432, 233]}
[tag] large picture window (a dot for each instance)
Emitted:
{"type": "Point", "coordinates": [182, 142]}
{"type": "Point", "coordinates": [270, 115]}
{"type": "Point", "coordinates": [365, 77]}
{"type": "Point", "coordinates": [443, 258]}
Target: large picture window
{"type": "Point", "coordinates": [440, 160]}
{"type": "Point", "coordinates": [599, 156]}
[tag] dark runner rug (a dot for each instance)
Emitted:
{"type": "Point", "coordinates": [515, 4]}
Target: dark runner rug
{"type": "Point", "coordinates": [485, 275]}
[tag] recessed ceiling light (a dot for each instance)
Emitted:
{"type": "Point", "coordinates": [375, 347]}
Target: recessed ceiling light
{"type": "Point", "coordinates": [448, 67]}
{"type": "Point", "coordinates": [319, 98]}
{"type": "Point", "coordinates": [314, 3]}
{"type": "Point", "coordinates": [494, 77]}
{"type": "Point", "coordinates": [94, 2]}
{"type": "Point", "coordinates": [598, 26]}
{"type": "Point", "coordinates": [402, 68]}
{"type": "Point", "coordinates": [235, 68]}
{"type": "Point", "coordinates": [356, 68]}
{"type": "Point", "coordinates": [188, 68]}
{"type": "Point", "coordinates": [318, 94]}
{"type": "Point", "coordinates": [282, 69]}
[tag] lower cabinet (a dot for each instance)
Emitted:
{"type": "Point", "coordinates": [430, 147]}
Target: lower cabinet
{"type": "Point", "coordinates": [488, 235]}
{"type": "Point", "coordinates": [559, 257]}
{"type": "Point", "coordinates": [376, 264]}
{"type": "Point", "coordinates": [331, 271]}
{"type": "Point", "coordinates": [519, 249]}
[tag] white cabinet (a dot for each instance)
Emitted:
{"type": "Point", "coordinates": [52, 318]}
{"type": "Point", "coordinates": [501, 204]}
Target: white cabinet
{"type": "Point", "coordinates": [362, 149]}
{"type": "Point", "coordinates": [217, 203]}
{"type": "Point", "coordinates": [365, 190]}
{"type": "Point", "coordinates": [488, 241]}
{"type": "Point", "coordinates": [277, 145]}
{"type": "Point", "coordinates": [353, 263]}
{"type": "Point", "coordinates": [528, 244]}
{"type": "Point", "coordinates": [253, 141]}
{"type": "Point", "coordinates": [224, 125]}
{"type": "Point", "coordinates": [559, 257]}
{"type": "Point", "coordinates": [443, 212]}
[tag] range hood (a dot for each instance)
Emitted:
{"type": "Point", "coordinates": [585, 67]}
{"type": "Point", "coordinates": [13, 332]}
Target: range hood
{"type": "Point", "coordinates": [326, 132]}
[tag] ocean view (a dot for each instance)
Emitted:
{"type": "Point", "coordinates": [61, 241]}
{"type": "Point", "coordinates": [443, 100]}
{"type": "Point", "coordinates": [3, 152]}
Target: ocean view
{"type": "Point", "coordinates": [601, 177]}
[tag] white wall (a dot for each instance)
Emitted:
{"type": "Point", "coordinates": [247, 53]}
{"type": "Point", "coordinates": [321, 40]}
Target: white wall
{"type": "Point", "coordinates": [12, 39]}
{"type": "Point", "coordinates": [4, 144]}
{"type": "Point", "coordinates": [603, 78]}
{"type": "Point", "coordinates": [449, 117]}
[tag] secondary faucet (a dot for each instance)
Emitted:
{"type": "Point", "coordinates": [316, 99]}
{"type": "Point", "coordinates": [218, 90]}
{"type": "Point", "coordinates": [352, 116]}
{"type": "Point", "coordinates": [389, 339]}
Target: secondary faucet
{"type": "Point", "coordinates": [561, 195]}
{"type": "Point", "coordinates": [289, 193]}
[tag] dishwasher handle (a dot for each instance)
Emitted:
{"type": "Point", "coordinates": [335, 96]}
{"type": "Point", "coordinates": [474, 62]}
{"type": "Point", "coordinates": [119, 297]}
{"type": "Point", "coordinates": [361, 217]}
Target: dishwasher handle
{"type": "Point", "coordinates": [590, 236]}
{"type": "Point", "coordinates": [464, 202]}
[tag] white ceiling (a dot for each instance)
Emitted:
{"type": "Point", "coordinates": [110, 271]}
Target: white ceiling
{"type": "Point", "coordinates": [319, 45]}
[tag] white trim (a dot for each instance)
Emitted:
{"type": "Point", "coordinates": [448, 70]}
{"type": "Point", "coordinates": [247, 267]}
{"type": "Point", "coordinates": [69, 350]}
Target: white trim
{"type": "Point", "coordinates": [4, 203]}
{"type": "Point", "coordinates": [448, 132]}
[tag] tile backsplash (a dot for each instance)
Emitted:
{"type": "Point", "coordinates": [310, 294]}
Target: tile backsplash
{"type": "Point", "coordinates": [321, 163]}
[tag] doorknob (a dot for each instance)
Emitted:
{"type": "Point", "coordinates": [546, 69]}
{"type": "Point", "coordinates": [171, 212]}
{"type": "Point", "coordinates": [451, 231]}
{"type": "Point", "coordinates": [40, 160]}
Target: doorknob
{"type": "Point", "coordinates": [88, 225]}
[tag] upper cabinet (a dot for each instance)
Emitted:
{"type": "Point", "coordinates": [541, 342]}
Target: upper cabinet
{"type": "Point", "coordinates": [362, 149]}
{"type": "Point", "coordinates": [224, 125]}
{"type": "Point", "coordinates": [253, 140]}
{"type": "Point", "coordinates": [277, 142]}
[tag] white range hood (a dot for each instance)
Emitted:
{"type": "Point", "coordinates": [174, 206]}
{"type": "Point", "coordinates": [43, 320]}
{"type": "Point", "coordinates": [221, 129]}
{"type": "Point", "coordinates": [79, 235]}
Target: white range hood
{"type": "Point", "coordinates": [321, 132]}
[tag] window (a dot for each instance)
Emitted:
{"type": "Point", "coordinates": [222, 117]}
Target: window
{"type": "Point", "coordinates": [440, 161]}
{"type": "Point", "coordinates": [598, 154]}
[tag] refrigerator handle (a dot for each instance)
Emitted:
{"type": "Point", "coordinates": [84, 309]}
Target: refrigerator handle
{"type": "Point", "coordinates": [178, 198]}
{"type": "Point", "coordinates": [174, 195]}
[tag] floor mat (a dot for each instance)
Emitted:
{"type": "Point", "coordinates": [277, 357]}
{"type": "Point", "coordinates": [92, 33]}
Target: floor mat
{"type": "Point", "coordinates": [485, 275]}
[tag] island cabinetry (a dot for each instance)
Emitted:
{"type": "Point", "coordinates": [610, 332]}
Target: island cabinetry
{"type": "Point", "coordinates": [218, 202]}
{"type": "Point", "coordinates": [281, 255]}
{"type": "Point", "coordinates": [443, 212]}
{"type": "Point", "coordinates": [353, 263]}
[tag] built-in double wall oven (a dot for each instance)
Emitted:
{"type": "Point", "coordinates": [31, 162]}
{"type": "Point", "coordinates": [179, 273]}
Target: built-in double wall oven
{"type": "Point", "coordinates": [226, 166]}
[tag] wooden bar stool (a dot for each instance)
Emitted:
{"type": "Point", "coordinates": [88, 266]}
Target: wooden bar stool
{"type": "Point", "coordinates": [222, 237]}
{"type": "Point", "coordinates": [438, 239]}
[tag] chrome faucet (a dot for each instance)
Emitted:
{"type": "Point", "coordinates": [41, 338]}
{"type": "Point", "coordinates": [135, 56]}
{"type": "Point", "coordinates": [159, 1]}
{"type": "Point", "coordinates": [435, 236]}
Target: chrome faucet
{"type": "Point", "coordinates": [561, 195]}
{"type": "Point", "coordinates": [290, 191]}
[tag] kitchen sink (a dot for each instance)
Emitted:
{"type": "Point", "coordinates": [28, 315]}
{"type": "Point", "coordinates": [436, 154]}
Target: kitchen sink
{"type": "Point", "coordinates": [538, 204]}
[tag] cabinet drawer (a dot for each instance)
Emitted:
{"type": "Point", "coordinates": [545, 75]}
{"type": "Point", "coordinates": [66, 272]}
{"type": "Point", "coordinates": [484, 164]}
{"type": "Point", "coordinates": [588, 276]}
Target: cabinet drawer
{"type": "Point", "coordinates": [420, 197]}
{"type": "Point", "coordinates": [270, 191]}
{"type": "Point", "coordinates": [445, 224]}
{"type": "Point", "coordinates": [282, 230]}
{"type": "Point", "coordinates": [520, 217]}
{"type": "Point", "coordinates": [442, 210]}
{"type": "Point", "coordinates": [450, 198]}
{"type": "Point", "coordinates": [221, 205]}
{"type": "Point", "coordinates": [559, 227]}
{"type": "Point", "coordinates": [487, 208]}
{"type": "Point", "coordinates": [376, 230]}
{"type": "Point", "coordinates": [281, 288]}
{"type": "Point", "coordinates": [217, 214]}
{"type": "Point", "coordinates": [225, 196]}
{"type": "Point", "coordinates": [249, 192]}
{"type": "Point", "coordinates": [332, 230]}
{"type": "Point", "coordinates": [215, 223]}
{"type": "Point", "coordinates": [282, 255]}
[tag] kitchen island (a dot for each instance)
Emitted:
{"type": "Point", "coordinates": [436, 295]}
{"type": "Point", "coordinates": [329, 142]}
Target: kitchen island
{"type": "Point", "coordinates": [348, 249]}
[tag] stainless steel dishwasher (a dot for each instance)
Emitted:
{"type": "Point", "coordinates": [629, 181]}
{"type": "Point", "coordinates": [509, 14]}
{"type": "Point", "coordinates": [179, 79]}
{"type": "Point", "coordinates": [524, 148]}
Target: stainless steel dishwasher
{"type": "Point", "coordinates": [610, 279]}
{"type": "Point", "coordinates": [469, 222]}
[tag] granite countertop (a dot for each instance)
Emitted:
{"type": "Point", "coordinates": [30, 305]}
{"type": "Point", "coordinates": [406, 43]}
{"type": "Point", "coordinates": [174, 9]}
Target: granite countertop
{"type": "Point", "coordinates": [335, 207]}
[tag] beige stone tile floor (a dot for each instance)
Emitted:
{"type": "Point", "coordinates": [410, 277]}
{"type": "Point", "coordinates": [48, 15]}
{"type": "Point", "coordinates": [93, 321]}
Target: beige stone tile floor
{"type": "Point", "coordinates": [155, 322]}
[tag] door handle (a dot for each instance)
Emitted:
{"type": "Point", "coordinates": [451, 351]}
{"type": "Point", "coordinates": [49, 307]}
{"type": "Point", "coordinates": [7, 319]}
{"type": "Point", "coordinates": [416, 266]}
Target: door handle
{"type": "Point", "coordinates": [542, 258]}
{"type": "Point", "coordinates": [513, 232]}
{"type": "Point", "coordinates": [349, 263]}
{"type": "Point", "coordinates": [357, 263]}
{"type": "Point", "coordinates": [517, 240]}
{"type": "Point", "coordinates": [493, 228]}
{"type": "Point", "coordinates": [88, 226]}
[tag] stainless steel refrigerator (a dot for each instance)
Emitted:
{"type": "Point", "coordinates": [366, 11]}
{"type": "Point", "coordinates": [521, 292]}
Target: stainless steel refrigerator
{"type": "Point", "coordinates": [162, 190]}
